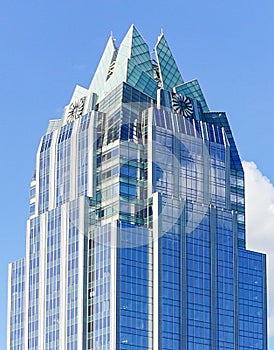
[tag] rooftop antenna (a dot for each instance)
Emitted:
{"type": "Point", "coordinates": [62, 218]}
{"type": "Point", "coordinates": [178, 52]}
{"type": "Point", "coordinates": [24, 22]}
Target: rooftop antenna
{"type": "Point", "coordinates": [162, 31]}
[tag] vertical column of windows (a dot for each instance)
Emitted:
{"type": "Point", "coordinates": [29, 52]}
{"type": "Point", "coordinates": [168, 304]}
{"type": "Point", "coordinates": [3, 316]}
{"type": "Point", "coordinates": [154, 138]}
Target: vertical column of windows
{"type": "Point", "coordinates": [218, 176]}
{"type": "Point", "coordinates": [83, 154]}
{"type": "Point", "coordinates": [237, 202]}
{"type": "Point", "coordinates": [132, 183]}
{"type": "Point", "coordinates": [32, 197]}
{"type": "Point", "coordinates": [52, 312]}
{"type": "Point", "coordinates": [191, 168]}
{"type": "Point", "coordinates": [134, 288]}
{"type": "Point", "coordinates": [63, 165]}
{"type": "Point", "coordinates": [163, 162]}
{"type": "Point", "coordinates": [73, 276]}
{"type": "Point", "coordinates": [252, 328]}
{"type": "Point", "coordinates": [107, 179]}
{"type": "Point", "coordinates": [34, 262]}
{"type": "Point", "coordinates": [170, 285]}
{"type": "Point", "coordinates": [99, 288]}
{"type": "Point", "coordinates": [198, 280]}
{"type": "Point", "coordinates": [44, 172]}
{"type": "Point", "coordinates": [225, 283]}
{"type": "Point", "coordinates": [17, 311]}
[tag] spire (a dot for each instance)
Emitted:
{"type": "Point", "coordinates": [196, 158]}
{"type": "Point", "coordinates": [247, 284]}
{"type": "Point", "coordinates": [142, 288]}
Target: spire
{"type": "Point", "coordinates": [102, 71]}
{"type": "Point", "coordinates": [168, 69]}
{"type": "Point", "coordinates": [135, 48]}
{"type": "Point", "coordinates": [132, 64]}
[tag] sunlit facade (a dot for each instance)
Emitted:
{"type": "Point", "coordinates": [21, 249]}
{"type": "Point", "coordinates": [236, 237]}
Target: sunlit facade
{"type": "Point", "coordinates": [136, 235]}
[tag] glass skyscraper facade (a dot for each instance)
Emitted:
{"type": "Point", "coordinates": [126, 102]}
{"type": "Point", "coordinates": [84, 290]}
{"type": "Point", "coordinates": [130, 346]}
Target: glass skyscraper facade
{"type": "Point", "coordinates": [136, 235]}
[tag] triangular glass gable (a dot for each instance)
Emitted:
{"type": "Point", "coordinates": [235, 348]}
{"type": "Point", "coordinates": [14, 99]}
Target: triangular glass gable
{"type": "Point", "coordinates": [102, 71]}
{"type": "Point", "coordinates": [169, 72]}
{"type": "Point", "coordinates": [193, 90]}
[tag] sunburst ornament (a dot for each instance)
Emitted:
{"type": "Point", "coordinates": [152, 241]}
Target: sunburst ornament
{"type": "Point", "coordinates": [182, 105]}
{"type": "Point", "coordinates": [75, 109]}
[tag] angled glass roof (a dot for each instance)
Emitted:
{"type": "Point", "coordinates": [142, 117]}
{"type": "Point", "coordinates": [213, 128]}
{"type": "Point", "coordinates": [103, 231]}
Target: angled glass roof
{"type": "Point", "coordinates": [132, 63]}
{"type": "Point", "coordinates": [193, 90]}
{"type": "Point", "coordinates": [138, 51]}
{"type": "Point", "coordinates": [101, 74]}
{"type": "Point", "coordinates": [169, 72]}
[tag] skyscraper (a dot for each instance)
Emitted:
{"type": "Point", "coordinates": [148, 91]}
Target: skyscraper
{"type": "Point", "coordinates": [136, 235]}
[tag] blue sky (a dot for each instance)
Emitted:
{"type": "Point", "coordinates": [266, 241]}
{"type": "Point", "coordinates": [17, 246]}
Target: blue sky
{"type": "Point", "coordinates": [47, 47]}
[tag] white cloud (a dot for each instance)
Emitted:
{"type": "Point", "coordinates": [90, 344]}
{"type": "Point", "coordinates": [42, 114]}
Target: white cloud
{"type": "Point", "coordinates": [260, 225]}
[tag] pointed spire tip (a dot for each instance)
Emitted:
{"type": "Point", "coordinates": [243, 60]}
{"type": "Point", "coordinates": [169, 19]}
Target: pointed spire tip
{"type": "Point", "coordinates": [112, 36]}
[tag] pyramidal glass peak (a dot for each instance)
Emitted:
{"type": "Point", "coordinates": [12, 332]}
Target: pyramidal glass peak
{"type": "Point", "coordinates": [132, 63]}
